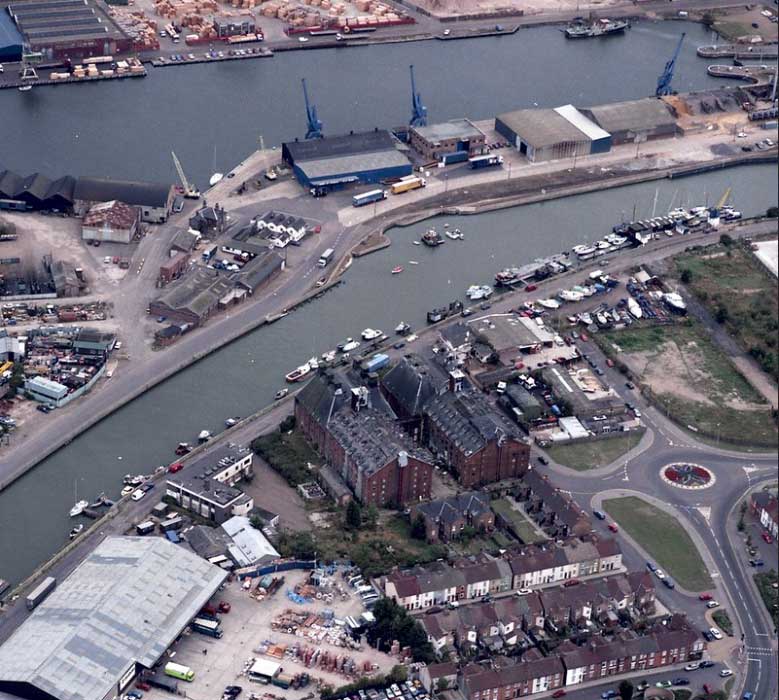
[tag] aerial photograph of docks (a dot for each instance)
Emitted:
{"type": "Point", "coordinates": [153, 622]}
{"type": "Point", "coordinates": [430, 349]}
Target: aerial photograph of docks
{"type": "Point", "coordinates": [435, 357]}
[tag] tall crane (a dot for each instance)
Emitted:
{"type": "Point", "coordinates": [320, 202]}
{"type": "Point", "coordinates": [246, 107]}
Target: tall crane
{"type": "Point", "coordinates": [418, 110]}
{"type": "Point", "coordinates": [314, 130]}
{"type": "Point", "coordinates": [667, 76]}
{"type": "Point", "coordinates": [724, 198]}
{"type": "Point", "coordinates": [190, 191]}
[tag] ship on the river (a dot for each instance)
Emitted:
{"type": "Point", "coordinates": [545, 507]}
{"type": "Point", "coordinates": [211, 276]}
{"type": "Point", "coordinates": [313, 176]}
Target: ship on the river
{"type": "Point", "coordinates": [600, 27]}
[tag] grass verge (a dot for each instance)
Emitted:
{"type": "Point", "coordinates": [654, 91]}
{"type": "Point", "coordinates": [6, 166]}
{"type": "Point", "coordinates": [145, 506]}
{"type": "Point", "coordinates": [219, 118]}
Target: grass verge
{"type": "Point", "coordinates": [591, 455]}
{"type": "Point", "coordinates": [766, 585]}
{"type": "Point", "coordinates": [723, 621]}
{"type": "Point", "coordinates": [663, 537]}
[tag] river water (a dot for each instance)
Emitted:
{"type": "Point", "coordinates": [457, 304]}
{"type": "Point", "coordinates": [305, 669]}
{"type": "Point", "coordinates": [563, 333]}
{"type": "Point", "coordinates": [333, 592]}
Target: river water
{"type": "Point", "coordinates": [243, 376]}
{"type": "Point", "coordinates": [212, 115]}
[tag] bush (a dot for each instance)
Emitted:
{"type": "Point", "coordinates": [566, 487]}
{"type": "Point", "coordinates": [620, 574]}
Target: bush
{"type": "Point", "coordinates": [686, 275]}
{"type": "Point", "coordinates": [394, 623]}
{"type": "Point", "coordinates": [287, 454]}
{"type": "Point", "coordinates": [300, 545]}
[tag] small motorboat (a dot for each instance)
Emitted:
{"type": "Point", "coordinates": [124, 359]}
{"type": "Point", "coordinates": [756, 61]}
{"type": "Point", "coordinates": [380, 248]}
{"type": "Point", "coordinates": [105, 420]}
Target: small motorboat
{"type": "Point", "coordinates": [321, 282]}
{"type": "Point", "coordinates": [402, 328]}
{"type": "Point", "coordinates": [397, 270]}
{"type": "Point", "coordinates": [203, 436]}
{"type": "Point", "coordinates": [413, 262]}
{"type": "Point", "coordinates": [183, 448]}
{"type": "Point", "coordinates": [549, 303]}
{"type": "Point", "coordinates": [76, 531]}
{"type": "Point", "coordinates": [127, 490]}
{"type": "Point", "coordinates": [215, 178]}
{"type": "Point", "coordinates": [416, 242]}
{"type": "Point", "coordinates": [280, 394]}
{"type": "Point", "coordinates": [351, 345]}
{"type": "Point", "coordinates": [298, 373]}
{"type": "Point", "coordinates": [79, 508]}
{"type": "Point", "coordinates": [371, 334]}
{"type": "Point", "coordinates": [328, 356]}
{"type": "Point", "coordinates": [25, 88]}
{"type": "Point", "coordinates": [230, 422]}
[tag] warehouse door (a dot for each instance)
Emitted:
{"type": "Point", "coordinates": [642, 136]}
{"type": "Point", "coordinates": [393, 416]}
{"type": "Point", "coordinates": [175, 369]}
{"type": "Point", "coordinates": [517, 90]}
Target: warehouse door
{"type": "Point", "coordinates": [463, 145]}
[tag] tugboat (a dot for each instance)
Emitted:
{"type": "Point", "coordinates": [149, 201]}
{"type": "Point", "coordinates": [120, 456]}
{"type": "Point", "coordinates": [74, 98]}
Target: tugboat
{"type": "Point", "coordinates": [601, 27]}
{"type": "Point", "coordinates": [432, 238]}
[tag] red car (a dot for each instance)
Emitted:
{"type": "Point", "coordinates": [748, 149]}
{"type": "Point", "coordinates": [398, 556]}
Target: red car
{"type": "Point", "coordinates": [224, 606]}
{"type": "Point", "coordinates": [531, 288]}
{"type": "Point", "coordinates": [142, 685]}
{"type": "Point", "coordinates": [767, 537]}
{"type": "Point", "coordinates": [704, 596]}
{"type": "Point", "coordinates": [572, 582]}
{"type": "Point", "coordinates": [584, 337]}
{"type": "Point", "coordinates": [609, 362]}
{"type": "Point", "coordinates": [175, 467]}
{"type": "Point", "coordinates": [558, 693]}
{"type": "Point", "coordinates": [613, 527]}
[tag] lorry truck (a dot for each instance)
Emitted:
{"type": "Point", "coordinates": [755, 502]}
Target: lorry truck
{"type": "Point", "coordinates": [183, 673]}
{"type": "Point", "coordinates": [41, 591]}
{"type": "Point", "coordinates": [454, 157]}
{"type": "Point", "coordinates": [407, 184]}
{"type": "Point", "coordinates": [486, 161]}
{"type": "Point", "coordinates": [208, 627]}
{"type": "Point", "coordinates": [377, 362]}
{"type": "Point", "coordinates": [360, 200]}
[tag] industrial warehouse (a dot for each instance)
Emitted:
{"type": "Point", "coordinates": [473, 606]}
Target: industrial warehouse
{"type": "Point", "coordinates": [65, 28]}
{"type": "Point", "coordinates": [111, 619]}
{"type": "Point", "coordinates": [550, 134]}
{"type": "Point", "coordinates": [336, 161]}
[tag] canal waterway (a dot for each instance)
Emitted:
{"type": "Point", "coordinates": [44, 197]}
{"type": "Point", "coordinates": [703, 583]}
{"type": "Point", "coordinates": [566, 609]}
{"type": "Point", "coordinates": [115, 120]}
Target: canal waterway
{"type": "Point", "coordinates": [212, 115]}
{"type": "Point", "coordinates": [243, 376]}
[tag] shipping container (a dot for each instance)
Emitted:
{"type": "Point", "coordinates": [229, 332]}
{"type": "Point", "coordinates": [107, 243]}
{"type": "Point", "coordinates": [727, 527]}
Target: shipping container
{"type": "Point", "coordinates": [39, 594]}
{"type": "Point", "coordinates": [173, 523]}
{"type": "Point", "coordinates": [209, 253]}
{"type": "Point", "coordinates": [456, 157]}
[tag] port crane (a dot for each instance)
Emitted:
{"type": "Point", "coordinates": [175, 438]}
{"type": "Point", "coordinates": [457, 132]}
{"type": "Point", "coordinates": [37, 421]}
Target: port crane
{"type": "Point", "coordinates": [418, 110]}
{"type": "Point", "coordinates": [667, 76]}
{"type": "Point", "coordinates": [314, 125]}
{"type": "Point", "coordinates": [723, 199]}
{"type": "Point", "coordinates": [190, 191]}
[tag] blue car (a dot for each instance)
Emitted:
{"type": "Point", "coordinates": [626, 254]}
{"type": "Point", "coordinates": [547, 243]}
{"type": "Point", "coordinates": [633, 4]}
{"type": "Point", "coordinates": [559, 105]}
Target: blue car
{"type": "Point", "coordinates": [748, 696]}
{"type": "Point", "coordinates": [651, 566]}
{"type": "Point", "coordinates": [608, 694]}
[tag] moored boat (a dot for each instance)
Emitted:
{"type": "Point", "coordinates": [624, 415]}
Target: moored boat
{"type": "Point", "coordinates": [634, 308]}
{"type": "Point", "coordinates": [203, 436]}
{"type": "Point", "coordinates": [371, 334]}
{"type": "Point", "coordinates": [183, 448]}
{"type": "Point", "coordinates": [432, 238]}
{"type": "Point", "coordinates": [79, 508]}
{"type": "Point", "coordinates": [397, 270]}
{"type": "Point", "coordinates": [76, 531]}
{"type": "Point", "coordinates": [280, 394]}
{"type": "Point", "coordinates": [549, 303]}
{"type": "Point", "coordinates": [298, 373]}
{"type": "Point", "coordinates": [402, 328]}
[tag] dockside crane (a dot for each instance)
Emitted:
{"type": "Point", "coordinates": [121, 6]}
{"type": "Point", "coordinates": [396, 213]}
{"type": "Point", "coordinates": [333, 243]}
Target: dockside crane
{"type": "Point", "coordinates": [666, 78]}
{"type": "Point", "coordinates": [418, 110]}
{"type": "Point", "coordinates": [314, 130]}
{"type": "Point", "coordinates": [190, 191]}
{"type": "Point", "coordinates": [724, 198]}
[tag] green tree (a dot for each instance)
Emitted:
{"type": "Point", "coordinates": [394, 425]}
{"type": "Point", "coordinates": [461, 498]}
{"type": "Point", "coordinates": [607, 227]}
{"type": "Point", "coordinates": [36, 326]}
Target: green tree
{"type": "Point", "coordinates": [300, 545]}
{"type": "Point", "coordinates": [686, 275]}
{"type": "Point", "coordinates": [721, 315]}
{"type": "Point", "coordinates": [419, 528]}
{"type": "Point", "coordinates": [625, 690]}
{"type": "Point", "coordinates": [441, 684]}
{"type": "Point", "coordinates": [287, 424]}
{"type": "Point", "coordinates": [726, 240]}
{"type": "Point", "coordinates": [353, 515]}
{"type": "Point", "coordinates": [371, 517]}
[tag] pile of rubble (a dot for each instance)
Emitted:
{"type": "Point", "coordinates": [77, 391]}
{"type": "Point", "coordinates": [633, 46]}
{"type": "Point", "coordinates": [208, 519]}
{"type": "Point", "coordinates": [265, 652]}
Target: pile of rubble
{"type": "Point", "coordinates": [316, 628]}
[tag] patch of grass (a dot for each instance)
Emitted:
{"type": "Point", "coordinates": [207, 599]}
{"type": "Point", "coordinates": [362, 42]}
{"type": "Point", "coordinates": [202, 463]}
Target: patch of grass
{"type": "Point", "coordinates": [737, 282]}
{"type": "Point", "coordinates": [523, 528]}
{"type": "Point", "coordinates": [377, 551]}
{"type": "Point", "coordinates": [723, 385]}
{"type": "Point", "coordinates": [730, 31]}
{"type": "Point", "coordinates": [770, 595]}
{"type": "Point", "coordinates": [682, 694]}
{"type": "Point", "coordinates": [590, 455]}
{"type": "Point", "coordinates": [663, 537]}
{"type": "Point", "coordinates": [723, 621]}
{"type": "Point", "coordinates": [287, 453]}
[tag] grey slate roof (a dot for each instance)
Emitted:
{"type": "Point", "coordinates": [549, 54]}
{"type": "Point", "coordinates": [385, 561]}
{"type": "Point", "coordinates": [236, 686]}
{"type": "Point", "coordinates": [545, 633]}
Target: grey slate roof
{"type": "Point", "coordinates": [450, 510]}
{"type": "Point", "coordinates": [462, 129]}
{"type": "Point", "coordinates": [148, 194]}
{"type": "Point", "coordinates": [541, 127]}
{"type": "Point", "coordinates": [259, 270]}
{"type": "Point", "coordinates": [124, 604]}
{"type": "Point", "coordinates": [411, 383]}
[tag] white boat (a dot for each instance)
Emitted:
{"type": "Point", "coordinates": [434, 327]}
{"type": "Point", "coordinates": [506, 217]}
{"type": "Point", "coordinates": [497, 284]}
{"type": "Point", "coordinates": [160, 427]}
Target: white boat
{"type": "Point", "coordinates": [313, 363]}
{"type": "Point", "coordinates": [478, 291]}
{"type": "Point", "coordinates": [280, 394]}
{"type": "Point", "coordinates": [675, 302]}
{"type": "Point", "coordinates": [76, 531]}
{"type": "Point", "coordinates": [634, 308]}
{"type": "Point", "coordinates": [603, 245]}
{"type": "Point", "coordinates": [298, 373]}
{"type": "Point", "coordinates": [454, 235]}
{"type": "Point", "coordinates": [586, 319]}
{"type": "Point", "coordinates": [570, 295]}
{"type": "Point", "coordinates": [127, 490]}
{"type": "Point", "coordinates": [371, 334]}
{"type": "Point", "coordinates": [586, 253]}
{"type": "Point", "coordinates": [328, 356]}
{"type": "Point", "coordinates": [549, 303]}
{"type": "Point", "coordinates": [600, 317]}
{"type": "Point", "coordinates": [402, 328]}
{"type": "Point", "coordinates": [351, 345]}
{"type": "Point", "coordinates": [215, 178]}
{"type": "Point", "coordinates": [578, 249]}
{"type": "Point", "coordinates": [203, 436]}
{"type": "Point", "coordinates": [230, 422]}
{"type": "Point", "coordinates": [79, 508]}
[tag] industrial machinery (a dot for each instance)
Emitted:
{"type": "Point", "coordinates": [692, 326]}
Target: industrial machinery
{"type": "Point", "coordinates": [418, 110]}
{"type": "Point", "coordinates": [666, 78]}
{"type": "Point", "coordinates": [314, 130]}
{"type": "Point", "coordinates": [190, 191]}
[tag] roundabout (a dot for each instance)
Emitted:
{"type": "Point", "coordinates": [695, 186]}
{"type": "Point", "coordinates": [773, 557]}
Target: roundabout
{"type": "Point", "coordinates": [685, 475]}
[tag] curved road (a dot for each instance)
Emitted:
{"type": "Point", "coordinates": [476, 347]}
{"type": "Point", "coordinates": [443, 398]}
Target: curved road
{"type": "Point", "coordinates": [707, 514]}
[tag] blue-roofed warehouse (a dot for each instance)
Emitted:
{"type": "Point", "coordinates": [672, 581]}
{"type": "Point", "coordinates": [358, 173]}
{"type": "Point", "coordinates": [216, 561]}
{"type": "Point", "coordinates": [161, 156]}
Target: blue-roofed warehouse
{"type": "Point", "coordinates": [10, 38]}
{"type": "Point", "coordinates": [336, 161]}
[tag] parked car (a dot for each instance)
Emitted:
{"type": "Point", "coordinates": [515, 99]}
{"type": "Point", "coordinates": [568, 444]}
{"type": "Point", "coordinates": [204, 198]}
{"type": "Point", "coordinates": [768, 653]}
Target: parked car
{"type": "Point", "coordinates": [137, 495]}
{"type": "Point", "coordinates": [608, 694]}
{"type": "Point", "coordinates": [543, 460]}
{"type": "Point", "coordinates": [571, 582]}
{"type": "Point", "coordinates": [725, 672]}
{"type": "Point", "coordinates": [663, 684]}
{"type": "Point", "coordinates": [712, 604]}
{"type": "Point", "coordinates": [767, 537]}
{"type": "Point", "coordinates": [599, 514]}
{"type": "Point", "coordinates": [706, 664]}
{"type": "Point", "coordinates": [651, 567]}
{"type": "Point", "coordinates": [704, 596]}
{"type": "Point", "coordinates": [756, 562]}
{"type": "Point", "coordinates": [524, 591]}
{"type": "Point", "coordinates": [175, 467]}
{"type": "Point", "coordinates": [694, 666]}
{"type": "Point", "coordinates": [142, 685]}
{"type": "Point", "coordinates": [613, 527]}
{"type": "Point", "coordinates": [660, 574]}
{"type": "Point", "coordinates": [715, 633]}
{"type": "Point", "coordinates": [559, 693]}
{"type": "Point", "coordinates": [680, 681]}
{"type": "Point", "coordinates": [708, 636]}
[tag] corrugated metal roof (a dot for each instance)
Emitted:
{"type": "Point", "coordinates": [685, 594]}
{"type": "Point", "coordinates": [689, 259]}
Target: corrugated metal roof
{"type": "Point", "coordinates": [353, 163]}
{"type": "Point", "coordinates": [338, 146]}
{"type": "Point", "coordinates": [455, 129]}
{"type": "Point", "coordinates": [635, 115]}
{"type": "Point", "coordinates": [148, 194]}
{"type": "Point", "coordinates": [541, 127]}
{"type": "Point", "coordinates": [582, 123]}
{"type": "Point", "coordinates": [124, 604]}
